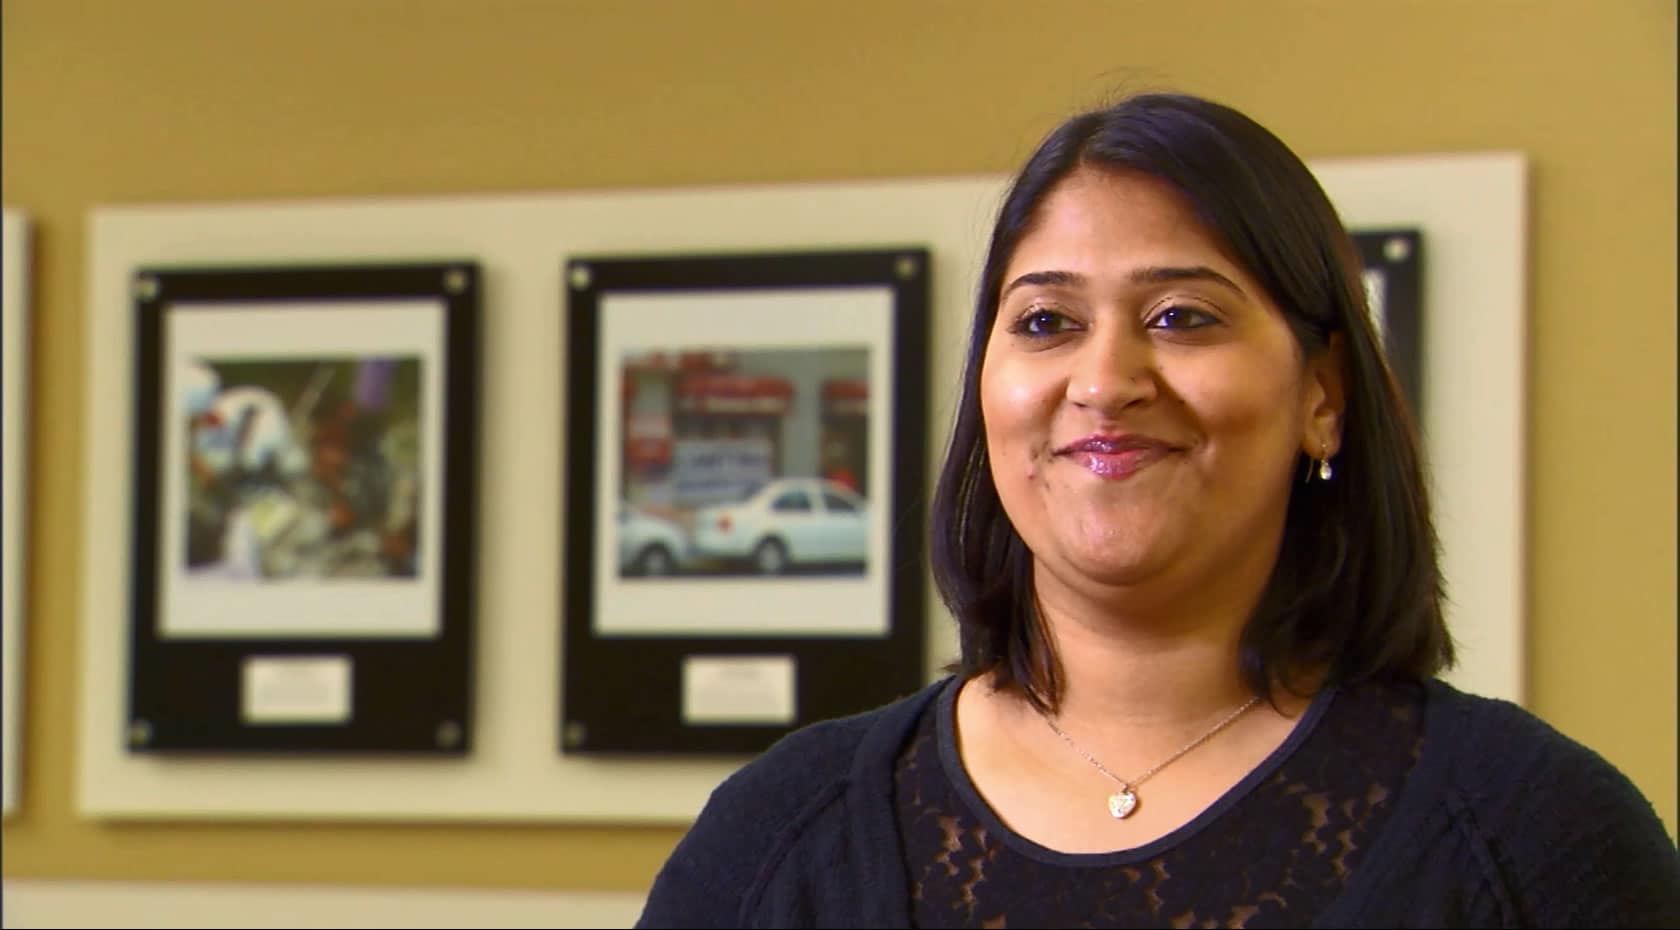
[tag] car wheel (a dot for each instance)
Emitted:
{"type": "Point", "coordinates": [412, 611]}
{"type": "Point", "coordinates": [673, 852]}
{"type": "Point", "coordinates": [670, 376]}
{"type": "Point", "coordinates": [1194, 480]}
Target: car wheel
{"type": "Point", "coordinates": [655, 560]}
{"type": "Point", "coordinates": [770, 558]}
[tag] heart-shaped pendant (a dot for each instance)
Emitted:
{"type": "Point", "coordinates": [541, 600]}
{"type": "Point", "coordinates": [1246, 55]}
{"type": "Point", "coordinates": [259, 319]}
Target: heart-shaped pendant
{"type": "Point", "coordinates": [1122, 803]}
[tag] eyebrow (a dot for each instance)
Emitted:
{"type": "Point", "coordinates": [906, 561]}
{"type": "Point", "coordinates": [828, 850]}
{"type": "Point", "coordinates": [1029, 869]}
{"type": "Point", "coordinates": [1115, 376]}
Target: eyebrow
{"type": "Point", "coordinates": [1043, 279]}
{"type": "Point", "coordinates": [1164, 275]}
{"type": "Point", "coordinates": [1154, 274]}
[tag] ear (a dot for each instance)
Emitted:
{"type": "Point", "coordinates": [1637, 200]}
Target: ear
{"type": "Point", "coordinates": [1324, 401]}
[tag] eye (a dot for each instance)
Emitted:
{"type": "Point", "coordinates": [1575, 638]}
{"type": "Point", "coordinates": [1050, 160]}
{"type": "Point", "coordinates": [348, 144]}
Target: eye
{"type": "Point", "coordinates": [1041, 321]}
{"type": "Point", "coordinates": [1182, 316]}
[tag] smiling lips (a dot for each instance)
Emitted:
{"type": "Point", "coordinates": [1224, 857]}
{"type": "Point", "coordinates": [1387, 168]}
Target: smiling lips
{"type": "Point", "coordinates": [1114, 457]}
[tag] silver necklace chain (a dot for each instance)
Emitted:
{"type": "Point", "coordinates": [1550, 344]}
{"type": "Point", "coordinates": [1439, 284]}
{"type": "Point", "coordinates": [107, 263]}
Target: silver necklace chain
{"type": "Point", "coordinates": [1122, 803]}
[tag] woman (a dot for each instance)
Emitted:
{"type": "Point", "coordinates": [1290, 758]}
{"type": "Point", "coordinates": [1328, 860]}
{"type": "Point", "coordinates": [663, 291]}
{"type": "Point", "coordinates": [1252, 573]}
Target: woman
{"type": "Point", "coordinates": [1183, 528]}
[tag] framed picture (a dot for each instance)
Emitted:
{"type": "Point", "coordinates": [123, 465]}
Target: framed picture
{"type": "Point", "coordinates": [305, 463]}
{"type": "Point", "coordinates": [743, 540]}
{"type": "Point", "coordinates": [1393, 260]}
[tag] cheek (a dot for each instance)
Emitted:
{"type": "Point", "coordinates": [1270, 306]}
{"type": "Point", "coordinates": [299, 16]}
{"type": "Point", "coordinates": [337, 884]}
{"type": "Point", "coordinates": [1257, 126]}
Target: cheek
{"type": "Point", "coordinates": [1255, 409]}
{"type": "Point", "coordinates": [1017, 404]}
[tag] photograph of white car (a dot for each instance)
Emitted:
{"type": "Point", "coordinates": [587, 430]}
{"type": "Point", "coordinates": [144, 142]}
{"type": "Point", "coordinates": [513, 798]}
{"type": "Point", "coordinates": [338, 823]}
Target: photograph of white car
{"type": "Point", "coordinates": [649, 546]}
{"type": "Point", "coordinates": [787, 525]}
{"type": "Point", "coordinates": [742, 431]}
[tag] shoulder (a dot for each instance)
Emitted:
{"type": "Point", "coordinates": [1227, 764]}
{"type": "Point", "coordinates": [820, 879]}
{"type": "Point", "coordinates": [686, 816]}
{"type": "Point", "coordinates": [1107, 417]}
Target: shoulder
{"type": "Point", "coordinates": [1567, 830]}
{"type": "Point", "coordinates": [1496, 744]}
{"type": "Point", "coordinates": [791, 778]}
{"type": "Point", "coordinates": [815, 756]}
{"type": "Point", "coordinates": [784, 799]}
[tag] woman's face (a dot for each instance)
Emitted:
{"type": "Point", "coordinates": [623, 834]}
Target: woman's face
{"type": "Point", "coordinates": [1144, 400]}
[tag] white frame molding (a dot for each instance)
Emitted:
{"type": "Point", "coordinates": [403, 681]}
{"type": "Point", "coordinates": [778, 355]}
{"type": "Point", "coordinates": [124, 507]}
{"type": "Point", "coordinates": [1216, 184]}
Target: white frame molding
{"type": "Point", "coordinates": [1471, 208]}
{"type": "Point", "coordinates": [14, 467]}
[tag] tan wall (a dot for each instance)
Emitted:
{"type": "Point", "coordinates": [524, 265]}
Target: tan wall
{"type": "Point", "coordinates": [186, 100]}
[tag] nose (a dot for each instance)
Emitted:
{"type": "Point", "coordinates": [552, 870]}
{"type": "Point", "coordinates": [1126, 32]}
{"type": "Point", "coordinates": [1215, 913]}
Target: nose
{"type": "Point", "coordinates": [1112, 371]}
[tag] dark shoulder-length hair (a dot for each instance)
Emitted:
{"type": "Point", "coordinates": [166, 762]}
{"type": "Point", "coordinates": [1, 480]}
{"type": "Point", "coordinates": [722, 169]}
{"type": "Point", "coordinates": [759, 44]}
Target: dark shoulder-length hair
{"type": "Point", "coordinates": [1356, 590]}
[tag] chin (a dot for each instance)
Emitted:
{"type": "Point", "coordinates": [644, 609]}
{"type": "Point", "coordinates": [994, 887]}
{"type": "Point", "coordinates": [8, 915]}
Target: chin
{"type": "Point", "coordinates": [1116, 572]}
{"type": "Point", "coordinates": [1117, 564]}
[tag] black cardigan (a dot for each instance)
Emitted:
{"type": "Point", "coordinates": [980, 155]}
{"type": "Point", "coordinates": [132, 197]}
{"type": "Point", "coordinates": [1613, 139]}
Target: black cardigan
{"type": "Point", "coordinates": [1504, 822]}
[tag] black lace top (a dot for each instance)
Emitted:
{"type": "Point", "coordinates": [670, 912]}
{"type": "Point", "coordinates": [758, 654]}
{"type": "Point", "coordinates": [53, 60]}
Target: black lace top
{"type": "Point", "coordinates": [1273, 852]}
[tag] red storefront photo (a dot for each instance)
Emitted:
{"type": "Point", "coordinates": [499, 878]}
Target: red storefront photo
{"type": "Point", "coordinates": [744, 442]}
{"type": "Point", "coordinates": [845, 425]}
{"type": "Point", "coordinates": [744, 462]}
